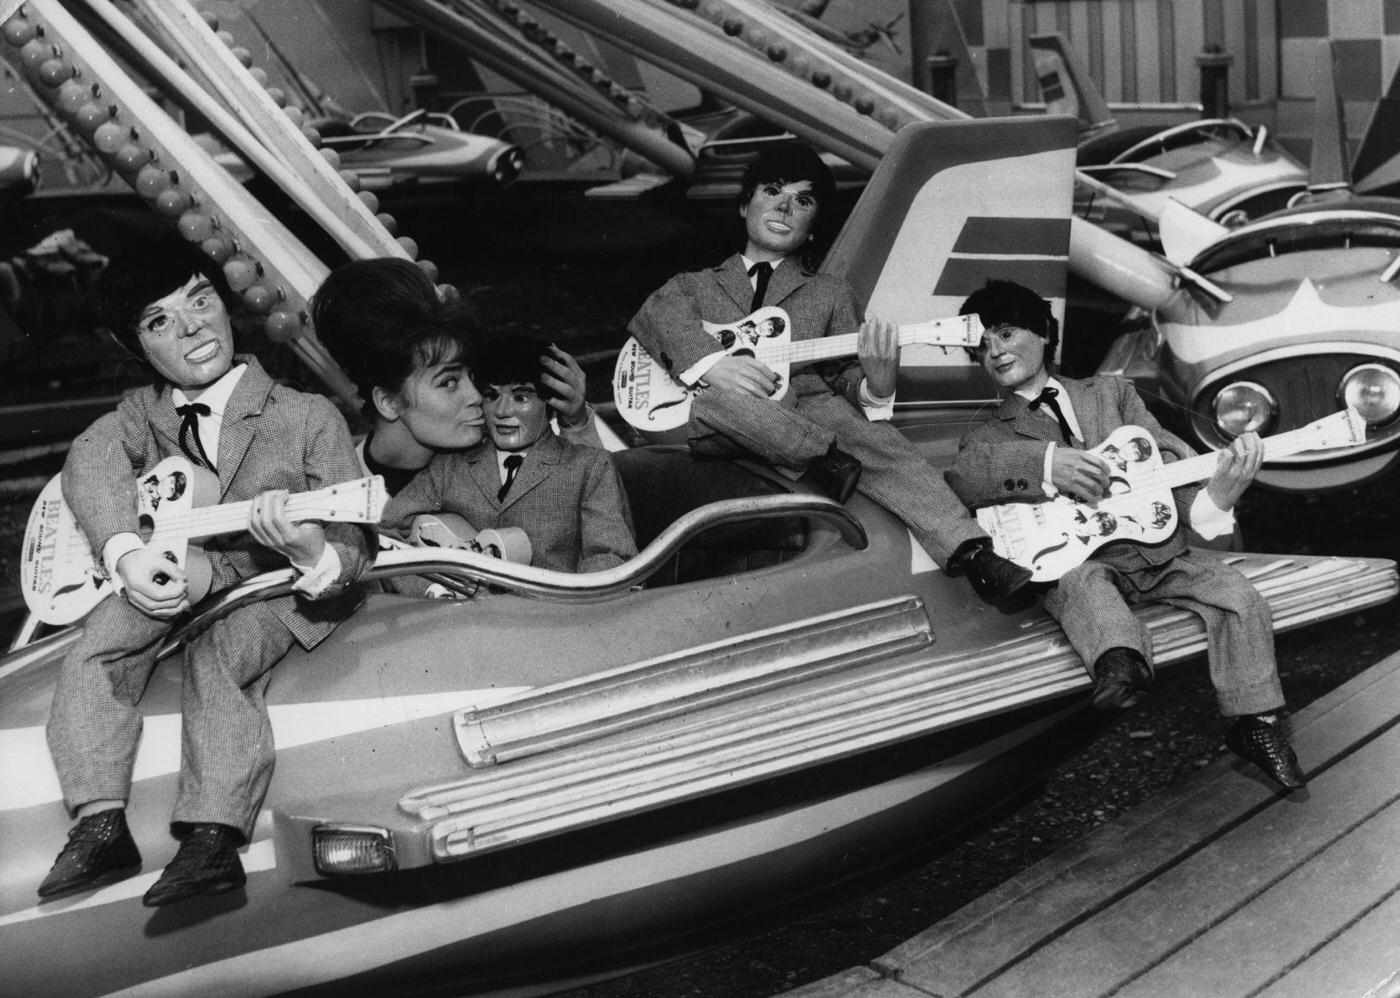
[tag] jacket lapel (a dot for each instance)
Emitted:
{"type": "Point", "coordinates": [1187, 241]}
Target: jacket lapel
{"type": "Point", "coordinates": [165, 424]}
{"type": "Point", "coordinates": [485, 473]}
{"type": "Point", "coordinates": [1016, 411]}
{"type": "Point", "coordinates": [539, 464]}
{"type": "Point", "coordinates": [733, 279]}
{"type": "Point", "coordinates": [1086, 410]}
{"type": "Point", "coordinates": [236, 431]}
{"type": "Point", "coordinates": [785, 280]}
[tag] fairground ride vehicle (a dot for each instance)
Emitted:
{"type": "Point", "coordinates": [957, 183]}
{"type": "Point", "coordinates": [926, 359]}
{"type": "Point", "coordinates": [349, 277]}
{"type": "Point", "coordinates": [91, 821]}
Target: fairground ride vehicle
{"type": "Point", "coordinates": [1283, 319]}
{"type": "Point", "coordinates": [567, 777]}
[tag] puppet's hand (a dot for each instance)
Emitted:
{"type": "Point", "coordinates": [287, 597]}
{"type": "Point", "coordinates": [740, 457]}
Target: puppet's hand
{"type": "Point", "coordinates": [741, 373]}
{"type": "Point", "coordinates": [878, 349]}
{"type": "Point", "coordinates": [1235, 470]}
{"type": "Point", "coordinates": [1080, 473]}
{"type": "Point", "coordinates": [153, 583]}
{"type": "Point", "coordinates": [563, 375]}
{"type": "Point", "coordinates": [302, 543]}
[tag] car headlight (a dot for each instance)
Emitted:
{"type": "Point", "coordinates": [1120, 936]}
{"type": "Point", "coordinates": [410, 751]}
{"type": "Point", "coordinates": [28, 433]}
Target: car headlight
{"type": "Point", "coordinates": [1372, 390]}
{"type": "Point", "coordinates": [1244, 406]}
{"type": "Point", "coordinates": [341, 850]}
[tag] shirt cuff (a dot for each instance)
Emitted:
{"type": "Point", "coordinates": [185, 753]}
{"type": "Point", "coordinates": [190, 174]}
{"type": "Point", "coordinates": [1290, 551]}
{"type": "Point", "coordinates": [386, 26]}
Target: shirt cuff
{"type": "Point", "coordinates": [117, 546]}
{"type": "Point", "coordinates": [700, 368]}
{"type": "Point", "coordinates": [876, 409]}
{"type": "Point", "coordinates": [1209, 520]}
{"type": "Point", "coordinates": [1047, 483]}
{"type": "Point", "coordinates": [319, 578]}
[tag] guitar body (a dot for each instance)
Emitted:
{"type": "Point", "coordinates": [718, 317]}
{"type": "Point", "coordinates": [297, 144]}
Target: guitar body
{"type": "Point", "coordinates": [62, 578]}
{"type": "Point", "coordinates": [1050, 538]}
{"type": "Point", "coordinates": [449, 530]}
{"type": "Point", "coordinates": [650, 399]}
{"type": "Point", "coordinates": [441, 530]}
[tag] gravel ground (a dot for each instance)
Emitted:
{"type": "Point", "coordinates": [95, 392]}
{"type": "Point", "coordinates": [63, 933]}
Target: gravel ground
{"type": "Point", "coordinates": [583, 300]}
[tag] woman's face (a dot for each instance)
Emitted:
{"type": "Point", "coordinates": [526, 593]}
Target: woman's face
{"type": "Point", "coordinates": [440, 407]}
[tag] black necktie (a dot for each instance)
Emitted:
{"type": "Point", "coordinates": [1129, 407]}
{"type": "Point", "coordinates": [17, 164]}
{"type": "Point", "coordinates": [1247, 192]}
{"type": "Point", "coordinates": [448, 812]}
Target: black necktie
{"type": "Point", "coordinates": [513, 463]}
{"type": "Point", "coordinates": [760, 272]}
{"type": "Point", "coordinates": [1047, 396]}
{"type": "Point", "coordinates": [189, 424]}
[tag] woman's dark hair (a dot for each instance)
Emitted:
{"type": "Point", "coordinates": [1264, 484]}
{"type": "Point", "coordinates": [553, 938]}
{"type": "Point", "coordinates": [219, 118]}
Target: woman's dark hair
{"type": "Point", "coordinates": [382, 320]}
{"type": "Point", "coordinates": [1006, 303]}
{"type": "Point", "coordinates": [144, 272]}
{"type": "Point", "coordinates": [512, 361]}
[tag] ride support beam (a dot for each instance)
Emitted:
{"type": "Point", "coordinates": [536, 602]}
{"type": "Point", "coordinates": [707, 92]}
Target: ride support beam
{"type": "Point", "coordinates": [272, 271]}
{"type": "Point", "coordinates": [310, 177]}
{"type": "Point", "coordinates": [331, 216]}
{"type": "Point", "coordinates": [580, 90]}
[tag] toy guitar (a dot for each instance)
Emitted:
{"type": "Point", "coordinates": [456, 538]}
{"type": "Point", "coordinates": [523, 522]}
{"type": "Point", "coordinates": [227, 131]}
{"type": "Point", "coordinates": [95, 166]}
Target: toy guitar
{"type": "Point", "coordinates": [649, 398]}
{"type": "Point", "coordinates": [62, 579]}
{"type": "Point", "coordinates": [449, 530]}
{"type": "Point", "coordinates": [1054, 536]}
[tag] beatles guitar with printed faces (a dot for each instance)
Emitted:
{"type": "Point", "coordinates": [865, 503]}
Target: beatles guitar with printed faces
{"type": "Point", "coordinates": [1052, 537]}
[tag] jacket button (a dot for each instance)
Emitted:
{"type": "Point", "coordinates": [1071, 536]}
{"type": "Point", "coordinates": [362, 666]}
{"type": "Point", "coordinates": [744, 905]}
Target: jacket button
{"type": "Point", "coordinates": [1021, 483]}
{"type": "Point", "coordinates": [1008, 485]}
{"type": "Point", "coordinates": [666, 360]}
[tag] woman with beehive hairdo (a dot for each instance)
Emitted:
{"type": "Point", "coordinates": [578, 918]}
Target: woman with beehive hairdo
{"type": "Point", "coordinates": [407, 346]}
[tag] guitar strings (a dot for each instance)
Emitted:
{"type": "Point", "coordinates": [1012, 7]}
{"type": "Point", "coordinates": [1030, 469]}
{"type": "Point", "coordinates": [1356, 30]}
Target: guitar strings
{"type": "Point", "coordinates": [832, 346]}
{"type": "Point", "coordinates": [231, 517]}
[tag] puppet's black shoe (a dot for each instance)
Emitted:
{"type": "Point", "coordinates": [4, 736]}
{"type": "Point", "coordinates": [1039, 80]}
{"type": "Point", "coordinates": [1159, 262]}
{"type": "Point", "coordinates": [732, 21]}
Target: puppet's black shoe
{"type": "Point", "coordinates": [206, 863]}
{"type": "Point", "coordinates": [99, 851]}
{"type": "Point", "coordinates": [1121, 679]}
{"type": "Point", "coordinates": [1265, 744]}
{"type": "Point", "coordinates": [992, 577]}
{"type": "Point", "coordinates": [836, 473]}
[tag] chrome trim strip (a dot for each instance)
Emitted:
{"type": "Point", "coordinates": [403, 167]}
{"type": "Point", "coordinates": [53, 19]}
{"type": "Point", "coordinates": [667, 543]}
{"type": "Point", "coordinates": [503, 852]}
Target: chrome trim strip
{"type": "Point", "coordinates": [831, 716]}
{"type": "Point", "coordinates": [553, 717]}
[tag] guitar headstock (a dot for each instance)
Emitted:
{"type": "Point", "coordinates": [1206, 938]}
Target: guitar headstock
{"type": "Point", "coordinates": [956, 331]}
{"type": "Point", "coordinates": [1341, 429]}
{"type": "Point", "coordinates": [360, 501]}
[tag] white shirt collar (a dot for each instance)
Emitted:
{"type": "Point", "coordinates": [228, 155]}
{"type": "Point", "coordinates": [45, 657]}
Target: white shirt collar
{"type": "Point", "coordinates": [216, 396]}
{"type": "Point", "coordinates": [748, 264]}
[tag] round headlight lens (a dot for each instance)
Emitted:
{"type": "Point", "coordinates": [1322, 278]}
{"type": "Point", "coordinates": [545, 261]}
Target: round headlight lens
{"type": "Point", "coordinates": [1244, 406]}
{"type": "Point", "coordinates": [1372, 390]}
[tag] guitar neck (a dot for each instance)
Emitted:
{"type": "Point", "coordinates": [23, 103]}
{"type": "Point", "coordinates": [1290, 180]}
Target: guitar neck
{"type": "Point", "coordinates": [1202, 466]}
{"type": "Point", "coordinates": [230, 518]}
{"type": "Point", "coordinates": [827, 347]}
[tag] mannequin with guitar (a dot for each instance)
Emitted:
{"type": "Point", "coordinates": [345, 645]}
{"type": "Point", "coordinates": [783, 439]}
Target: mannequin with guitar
{"type": "Point", "coordinates": [829, 422]}
{"type": "Point", "coordinates": [277, 461]}
{"type": "Point", "coordinates": [1130, 480]}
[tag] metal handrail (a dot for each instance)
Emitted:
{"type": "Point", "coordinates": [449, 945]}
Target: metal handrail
{"type": "Point", "coordinates": [467, 567]}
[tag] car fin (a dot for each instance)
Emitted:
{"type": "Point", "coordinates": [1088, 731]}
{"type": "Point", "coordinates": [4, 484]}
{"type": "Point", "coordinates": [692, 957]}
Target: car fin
{"type": "Point", "coordinates": [1065, 84]}
{"type": "Point", "coordinates": [1330, 168]}
{"type": "Point", "coordinates": [955, 203]}
{"type": "Point", "coordinates": [1184, 232]}
{"type": "Point", "coordinates": [1378, 158]}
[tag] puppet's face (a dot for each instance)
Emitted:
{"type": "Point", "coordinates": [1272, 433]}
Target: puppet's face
{"type": "Point", "coordinates": [187, 336]}
{"type": "Point", "coordinates": [778, 219]}
{"type": "Point", "coordinates": [516, 416]}
{"type": "Point", "coordinates": [1014, 357]}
